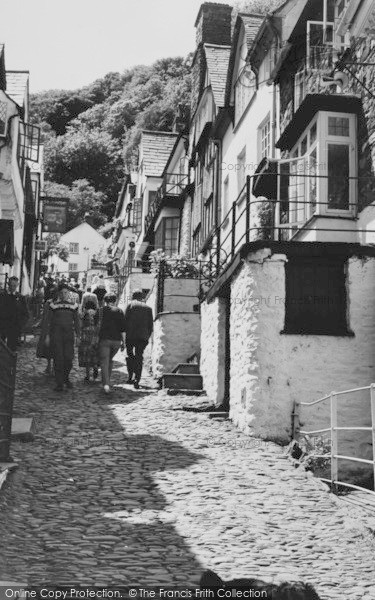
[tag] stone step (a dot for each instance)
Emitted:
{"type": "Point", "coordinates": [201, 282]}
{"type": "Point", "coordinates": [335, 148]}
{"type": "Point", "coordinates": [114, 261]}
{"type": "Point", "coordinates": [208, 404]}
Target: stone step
{"type": "Point", "coordinates": [23, 429]}
{"type": "Point", "coordinates": [218, 415]}
{"type": "Point", "coordinates": [171, 392]}
{"type": "Point", "coordinates": [182, 381]}
{"type": "Point", "coordinates": [187, 368]}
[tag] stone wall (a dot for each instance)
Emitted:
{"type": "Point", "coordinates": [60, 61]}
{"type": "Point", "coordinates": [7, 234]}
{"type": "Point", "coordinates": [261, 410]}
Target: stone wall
{"type": "Point", "coordinates": [180, 295]}
{"type": "Point", "coordinates": [270, 371]}
{"type": "Point", "coordinates": [135, 281]}
{"type": "Point", "coordinates": [176, 337]}
{"type": "Point", "coordinates": [212, 364]}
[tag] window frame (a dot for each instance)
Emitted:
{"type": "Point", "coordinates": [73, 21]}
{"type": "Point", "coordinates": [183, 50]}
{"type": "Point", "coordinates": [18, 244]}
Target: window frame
{"type": "Point", "coordinates": [261, 137]}
{"type": "Point", "coordinates": [162, 229]}
{"type": "Point", "coordinates": [76, 245]}
{"type": "Point", "coordinates": [241, 172]}
{"type": "Point", "coordinates": [322, 141]}
{"type": "Point", "coordinates": [70, 269]}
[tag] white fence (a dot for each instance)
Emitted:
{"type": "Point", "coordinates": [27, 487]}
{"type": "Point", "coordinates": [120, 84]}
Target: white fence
{"type": "Point", "coordinates": [334, 399]}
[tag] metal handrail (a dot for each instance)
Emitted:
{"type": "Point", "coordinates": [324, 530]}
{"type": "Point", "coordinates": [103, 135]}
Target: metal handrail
{"type": "Point", "coordinates": [225, 239]}
{"type": "Point", "coordinates": [334, 428]}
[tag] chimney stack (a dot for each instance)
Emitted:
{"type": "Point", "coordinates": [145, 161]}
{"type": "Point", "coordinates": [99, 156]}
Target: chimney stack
{"type": "Point", "coordinates": [213, 24]}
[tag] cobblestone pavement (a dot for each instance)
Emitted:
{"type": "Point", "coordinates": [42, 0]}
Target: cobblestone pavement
{"type": "Point", "coordinates": [133, 490]}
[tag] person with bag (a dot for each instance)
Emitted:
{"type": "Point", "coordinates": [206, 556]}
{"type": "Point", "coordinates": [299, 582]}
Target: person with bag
{"type": "Point", "coordinates": [111, 337]}
{"type": "Point", "coordinates": [139, 325]}
{"type": "Point", "coordinates": [88, 346]}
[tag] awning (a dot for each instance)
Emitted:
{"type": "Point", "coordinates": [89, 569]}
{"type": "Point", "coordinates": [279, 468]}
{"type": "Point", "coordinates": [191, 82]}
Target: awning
{"type": "Point", "coordinates": [265, 179]}
{"type": "Point", "coordinates": [6, 242]}
{"type": "Point", "coordinates": [307, 111]}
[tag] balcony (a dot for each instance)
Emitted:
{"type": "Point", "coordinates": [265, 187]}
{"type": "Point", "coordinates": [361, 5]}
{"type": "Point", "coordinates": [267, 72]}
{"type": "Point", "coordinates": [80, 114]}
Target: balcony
{"type": "Point", "coordinates": [168, 194]}
{"type": "Point", "coordinates": [292, 201]}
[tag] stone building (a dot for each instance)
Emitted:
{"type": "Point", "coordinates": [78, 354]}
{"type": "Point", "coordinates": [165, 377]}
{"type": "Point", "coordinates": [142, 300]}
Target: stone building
{"type": "Point", "coordinates": [278, 206]}
{"type": "Point", "coordinates": [290, 316]}
{"type": "Point", "coordinates": [21, 180]}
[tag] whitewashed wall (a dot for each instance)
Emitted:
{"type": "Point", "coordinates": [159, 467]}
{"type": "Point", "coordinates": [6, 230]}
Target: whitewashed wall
{"type": "Point", "coordinates": [269, 371]}
{"type": "Point", "coordinates": [176, 337]}
{"type": "Point", "coordinates": [212, 364]}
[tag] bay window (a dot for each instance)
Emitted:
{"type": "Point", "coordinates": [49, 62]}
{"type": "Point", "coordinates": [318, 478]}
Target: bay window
{"type": "Point", "coordinates": [323, 169]}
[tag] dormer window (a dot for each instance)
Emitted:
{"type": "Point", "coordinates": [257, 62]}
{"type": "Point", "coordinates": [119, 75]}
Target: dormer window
{"type": "Point", "coordinates": [3, 118]}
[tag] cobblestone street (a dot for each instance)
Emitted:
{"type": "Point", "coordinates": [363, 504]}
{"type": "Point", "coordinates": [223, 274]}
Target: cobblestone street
{"type": "Point", "coordinates": [130, 489]}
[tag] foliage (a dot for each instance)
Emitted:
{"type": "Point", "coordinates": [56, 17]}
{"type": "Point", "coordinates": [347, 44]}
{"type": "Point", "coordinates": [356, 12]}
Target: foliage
{"type": "Point", "coordinates": [90, 133]}
{"type": "Point", "coordinates": [312, 446]}
{"type": "Point", "coordinates": [91, 155]}
{"type": "Point", "coordinates": [265, 213]}
{"type": "Point", "coordinates": [260, 7]}
{"type": "Point", "coordinates": [54, 246]}
{"type": "Point", "coordinates": [83, 200]}
{"type": "Point", "coordinates": [175, 266]}
{"type": "Point", "coordinates": [58, 108]}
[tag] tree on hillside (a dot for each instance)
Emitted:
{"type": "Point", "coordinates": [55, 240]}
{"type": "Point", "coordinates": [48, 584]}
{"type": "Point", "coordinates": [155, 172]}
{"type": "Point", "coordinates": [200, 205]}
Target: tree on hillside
{"type": "Point", "coordinates": [83, 199]}
{"type": "Point", "coordinates": [261, 7]}
{"type": "Point", "coordinates": [83, 154]}
{"type": "Point", "coordinates": [58, 108]}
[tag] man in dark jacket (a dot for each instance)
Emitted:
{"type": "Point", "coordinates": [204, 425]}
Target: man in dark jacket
{"type": "Point", "coordinates": [62, 321]}
{"type": "Point", "coordinates": [13, 314]}
{"type": "Point", "coordinates": [138, 329]}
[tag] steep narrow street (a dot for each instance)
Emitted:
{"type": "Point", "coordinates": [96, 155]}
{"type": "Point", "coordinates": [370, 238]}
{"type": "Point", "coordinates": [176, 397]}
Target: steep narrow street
{"type": "Point", "coordinates": [130, 489]}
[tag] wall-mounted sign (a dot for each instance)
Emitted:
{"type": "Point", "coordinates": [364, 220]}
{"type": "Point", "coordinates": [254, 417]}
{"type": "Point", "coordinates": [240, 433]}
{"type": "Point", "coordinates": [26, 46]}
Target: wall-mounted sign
{"type": "Point", "coordinates": [40, 246]}
{"type": "Point", "coordinates": [55, 214]}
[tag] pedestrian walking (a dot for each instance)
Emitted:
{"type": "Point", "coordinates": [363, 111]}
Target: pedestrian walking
{"type": "Point", "coordinates": [42, 349]}
{"type": "Point", "coordinates": [62, 323]}
{"type": "Point", "coordinates": [13, 314]}
{"type": "Point", "coordinates": [139, 325]}
{"type": "Point", "coordinates": [89, 337]}
{"type": "Point", "coordinates": [111, 337]}
{"type": "Point", "coordinates": [100, 291]}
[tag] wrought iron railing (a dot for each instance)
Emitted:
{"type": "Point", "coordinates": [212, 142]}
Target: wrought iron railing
{"type": "Point", "coordinates": [287, 210]}
{"type": "Point", "coordinates": [172, 186]}
{"type": "Point", "coordinates": [321, 57]}
{"type": "Point", "coordinates": [333, 433]}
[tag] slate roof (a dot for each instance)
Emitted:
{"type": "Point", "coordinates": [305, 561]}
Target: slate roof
{"type": "Point", "coordinates": [156, 148]}
{"type": "Point", "coordinates": [217, 58]}
{"type": "Point", "coordinates": [16, 85]}
{"type": "Point", "coordinates": [251, 24]}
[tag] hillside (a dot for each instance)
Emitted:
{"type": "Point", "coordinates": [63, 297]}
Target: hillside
{"type": "Point", "coordinates": [91, 135]}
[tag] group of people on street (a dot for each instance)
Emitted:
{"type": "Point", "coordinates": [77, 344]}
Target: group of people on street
{"type": "Point", "coordinates": [100, 329]}
{"type": "Point", "coordinates": [89, 320]}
